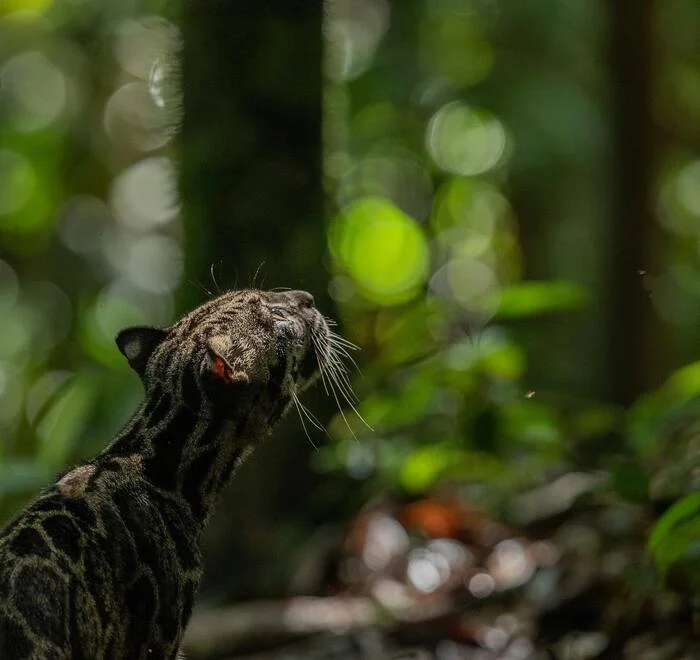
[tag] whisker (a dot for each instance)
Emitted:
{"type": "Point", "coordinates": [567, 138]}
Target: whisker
{"type": "Point", "coordinates": [329, 347]}
{"type": "Point", "coordinates": [318, 351]}
{"type": "Point", "coordinates": [342, 414]}
{"type": "Point", "coordinates": [213, 278]}
{"type": "Point", "coordinates": [335, 364]}
{"type": "Point", "coordinates": [204, 289]}
{"type": "Point", "coordinates": [310, 416]}
{"type": "Point", "coordinates": [345, 389]}
{"type": "Point", "coordinates": [341, 347]}
{"type": "Point", "coordinates": [344, 353]}
{"type": "Point", "coordinates": [339, 371]}
{"type": "Point", "coordinates": [334, 353]}
{"type": "Point", "coordinates": [301, 419]}
{"type": "Point", "coordinates": [257, 271]}
{"type": "Point", "coordinates": [333, 336]}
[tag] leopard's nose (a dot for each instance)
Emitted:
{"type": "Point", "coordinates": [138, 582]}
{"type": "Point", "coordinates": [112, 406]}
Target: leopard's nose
{"type": "Point", "coordinates": [303, 298]}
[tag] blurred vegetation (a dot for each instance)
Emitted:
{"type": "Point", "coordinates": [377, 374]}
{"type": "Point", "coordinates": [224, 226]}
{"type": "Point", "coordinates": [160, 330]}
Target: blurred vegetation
{"type": "Point", "coordinates": [498, 201]}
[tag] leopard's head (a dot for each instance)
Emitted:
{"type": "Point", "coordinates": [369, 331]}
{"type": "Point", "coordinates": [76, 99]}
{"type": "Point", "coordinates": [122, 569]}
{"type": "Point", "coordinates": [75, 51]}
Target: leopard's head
{"type": "Point", "coordinates": [243, 350]}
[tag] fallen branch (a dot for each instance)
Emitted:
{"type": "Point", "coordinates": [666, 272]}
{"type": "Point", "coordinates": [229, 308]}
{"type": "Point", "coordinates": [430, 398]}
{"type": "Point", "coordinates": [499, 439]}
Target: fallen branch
{"type": "Point", "coordinates": [217, 632]}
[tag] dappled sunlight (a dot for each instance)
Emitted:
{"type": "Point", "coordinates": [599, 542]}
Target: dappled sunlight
{"type": "Point", "coordinates": [514, 250]}
{"type": "Point", "coordinates": [83, 159]}
{"type": "Point", "coordinates": [465, 141]}
{"type": "Point", "coordinates": [144, 195]}
{"type": "Point", "coordinates": [353, 31]}
{"type": "Point", "coordinates": [382, 248]}
{"type": "Point", "coordinates": [36, 90]}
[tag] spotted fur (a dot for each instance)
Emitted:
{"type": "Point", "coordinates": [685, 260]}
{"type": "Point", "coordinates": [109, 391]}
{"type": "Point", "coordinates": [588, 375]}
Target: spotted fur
{"type": "Point", "coordinates": [105, 564]}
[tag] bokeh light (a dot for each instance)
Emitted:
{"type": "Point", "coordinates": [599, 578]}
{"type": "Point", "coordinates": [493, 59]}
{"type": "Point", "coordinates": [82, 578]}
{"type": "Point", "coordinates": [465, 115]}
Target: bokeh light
{"type": "Point", "coordinates": [481, 585]}
{"type": "Point", "coordinates": [353, 31]}
{"type": "Point", "coordinates": [471, 284]}
{"type": "Point", "coordinates": [382, 249]}
{"type": "Point", "coordinates": [86, 184]}
{"type": "Point", "coordinates": [467, 144]}
{"type": "Point", "coordinates": [82, 223]}
{"type": "Point", "coordinates": [34, 89]}
{"type": "Point", "coordinates": [465, 140]}
{"type": "Point", "coordinates": [427, 570]}
{"type": "Point", "coordinates": [140, 42]}
{"type": "Point", "coordinates": [144, 195]}
{"type": "Point", "coordinates": [155, 263]}
{"type": "Point", "coordinates": [132, 115]}
{"type": "Point", "coordinates": [386, 540]}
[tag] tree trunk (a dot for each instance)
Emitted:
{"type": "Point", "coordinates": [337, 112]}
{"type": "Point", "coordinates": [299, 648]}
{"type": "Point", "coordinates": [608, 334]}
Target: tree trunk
{"type": "Point", "coordinates": [251, 188]}
{"type": "Point", "coordinates": [637, 360]}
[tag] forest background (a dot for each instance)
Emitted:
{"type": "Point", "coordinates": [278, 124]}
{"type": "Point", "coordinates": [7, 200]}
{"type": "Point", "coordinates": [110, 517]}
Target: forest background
{"type": "Point", "coordinates": [500, 204]}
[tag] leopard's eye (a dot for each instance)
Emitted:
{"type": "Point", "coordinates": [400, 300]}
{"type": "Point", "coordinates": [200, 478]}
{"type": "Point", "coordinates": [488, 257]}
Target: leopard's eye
{"type": "Point", "coordinates": [277, 314]}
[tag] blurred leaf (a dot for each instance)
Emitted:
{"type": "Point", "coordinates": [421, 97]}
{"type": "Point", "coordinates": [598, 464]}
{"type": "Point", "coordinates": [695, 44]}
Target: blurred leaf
{"type": "Point", "coordinates": [531, 298]}
{"type": "Point", "coordinates": [533, 423]}
{"type": "Point", "coordinates": [684, 384]}
{"type": "Point", "coordinates": [60, 428]}
{"type": "Point", "coordinates": [426, 464]}
{"type": "Point", "coordinates": [660, 413]}
{"type": "Point", "coordinates": [676, 535]}
{"type": "Point", "coordinates": [506, 362]}
{"type": "Point", "coordinates": [20, 476]}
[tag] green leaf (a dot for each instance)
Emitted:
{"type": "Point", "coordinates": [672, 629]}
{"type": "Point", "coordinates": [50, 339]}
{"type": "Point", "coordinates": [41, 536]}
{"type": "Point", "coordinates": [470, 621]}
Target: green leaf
{"type": "Point", "coordinates": [676, 536]}
{"type": "Point", "coordinates": [532, 298]}
{"type": "Point", "coordinates": [426, 464]}
{"type": "Point", "coordinates": [21, 476]}
{"type": "Point", "coordinates": [533, 423]}
{"type": "Point", "coordinates": [65, 420]}
{"type": "Point", "coordinates": [657, 415]}
{"type": "Point", "coordinates": [684, 383]}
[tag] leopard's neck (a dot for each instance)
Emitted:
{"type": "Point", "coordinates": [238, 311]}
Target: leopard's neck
{"type": "Point", "coordinates": [106, 562]}
{"type": "Point", "coordinates": [184, 450]}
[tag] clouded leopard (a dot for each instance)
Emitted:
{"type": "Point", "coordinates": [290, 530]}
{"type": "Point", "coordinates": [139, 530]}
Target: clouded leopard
{"type": "Point", "coordinates": [105, 563]}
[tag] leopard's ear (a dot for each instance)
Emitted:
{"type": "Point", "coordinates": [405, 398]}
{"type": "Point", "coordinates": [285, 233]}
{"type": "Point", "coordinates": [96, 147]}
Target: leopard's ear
{"type": "Point", "coordinates": [218, 364]}
{"type": "Point", "coordinates": [138, 343]}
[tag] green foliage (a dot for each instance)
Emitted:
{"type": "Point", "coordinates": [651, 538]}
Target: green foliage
{"type": "Point", "coordinates": [466, 163]}
{"type": "Point", "coordinates": [65, 421]}
{"type": "Point", "coordinates": [676, 537]}
{"type": "Point", "coordinates": [79, 259]}
{"type": "Point", "coordinates": [528, 298]}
